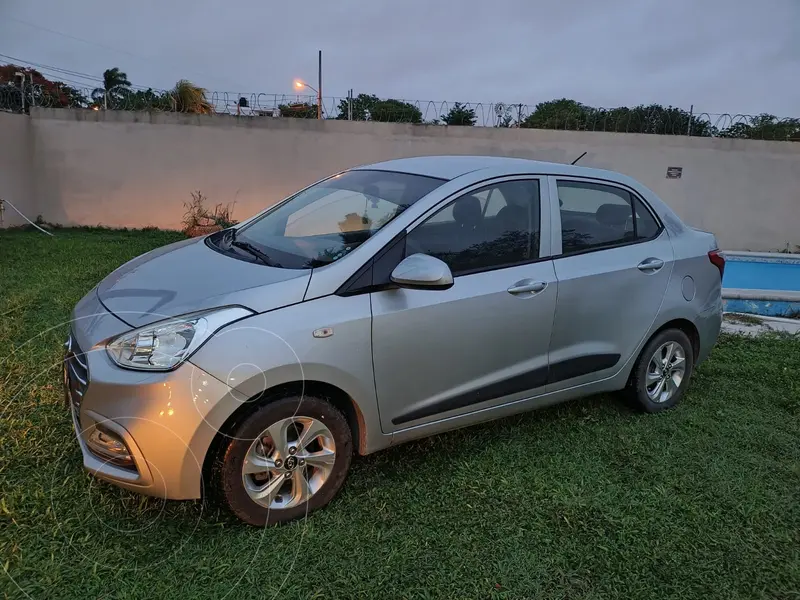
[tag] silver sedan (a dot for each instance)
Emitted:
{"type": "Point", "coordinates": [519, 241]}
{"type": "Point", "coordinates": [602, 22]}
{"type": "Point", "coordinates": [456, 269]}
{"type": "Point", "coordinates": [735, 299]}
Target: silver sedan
{"type": "Point", "coordinates": [383, 304]}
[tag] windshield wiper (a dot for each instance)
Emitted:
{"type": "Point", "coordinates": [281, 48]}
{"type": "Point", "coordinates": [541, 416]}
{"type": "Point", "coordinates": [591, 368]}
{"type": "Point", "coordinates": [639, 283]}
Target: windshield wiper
{"type": "Point", "coordinates": [251, 249]}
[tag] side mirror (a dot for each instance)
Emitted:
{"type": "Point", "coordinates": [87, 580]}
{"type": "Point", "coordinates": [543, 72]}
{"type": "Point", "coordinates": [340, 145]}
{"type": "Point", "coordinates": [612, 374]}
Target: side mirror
{"type": "Point", "coordinates": [422, 272]}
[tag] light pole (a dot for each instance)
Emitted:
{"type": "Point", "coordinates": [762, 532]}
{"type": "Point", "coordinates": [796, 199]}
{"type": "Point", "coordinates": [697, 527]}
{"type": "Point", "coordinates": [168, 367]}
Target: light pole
{"type": "Point", "coordinates": [299, 84]}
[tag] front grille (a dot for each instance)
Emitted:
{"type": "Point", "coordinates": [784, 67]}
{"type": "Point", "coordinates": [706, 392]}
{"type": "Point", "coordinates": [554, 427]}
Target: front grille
{"type": "Point", "coordinates": [76, 372]}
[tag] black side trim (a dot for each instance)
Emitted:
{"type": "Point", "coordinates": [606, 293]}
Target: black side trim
{"type": "Point", "coordinates": [375, 274]}
{"type": "Point", "coordinates": [387, 259]}
{"type": "Point", "coordinates": [582, 365]}
{"type": "Point", "coordinates": [560, 371]}
{"type": "Point", "coordinates": [518, 383]}
{"type": "Point", "coordinates": [358, 282]}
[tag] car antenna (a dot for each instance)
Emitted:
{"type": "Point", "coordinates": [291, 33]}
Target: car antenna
{"type": "Point", "coordinates": [577, 159]}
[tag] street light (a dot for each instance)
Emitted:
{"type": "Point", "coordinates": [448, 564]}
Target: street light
{"type": "Point", "coordinates": [302, 84]}
{"type": "Point", "coordinates": [299, 84]}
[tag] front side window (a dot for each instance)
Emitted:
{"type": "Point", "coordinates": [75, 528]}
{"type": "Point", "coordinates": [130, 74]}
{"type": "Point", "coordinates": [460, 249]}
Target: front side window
{"type": "Point", "coordinates": [598, 216]}
{"type": "Point", "coordinates": [493, 227]}
{"type": "Point", "coordinates": [330, 219]}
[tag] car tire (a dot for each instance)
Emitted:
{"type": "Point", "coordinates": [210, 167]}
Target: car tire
{"type": "Point", "coordinates": [250, 446]}
{"type": "Point", "coordinates": [654, 385]}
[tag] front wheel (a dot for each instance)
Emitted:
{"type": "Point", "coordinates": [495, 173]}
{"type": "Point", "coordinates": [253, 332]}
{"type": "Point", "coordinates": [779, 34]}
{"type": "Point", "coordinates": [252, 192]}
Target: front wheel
{"type": "Point", "coordinates": [662, 371]}
{"type": "Point", "coordinates": [287, 459]}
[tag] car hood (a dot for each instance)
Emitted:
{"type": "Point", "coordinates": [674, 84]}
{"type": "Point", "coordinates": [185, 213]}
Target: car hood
{"type": "Point", "coordinates": [189, 276]}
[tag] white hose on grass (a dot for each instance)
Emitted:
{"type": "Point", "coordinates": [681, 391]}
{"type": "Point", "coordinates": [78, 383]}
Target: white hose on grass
{"type": "Point", "coordinates": [26, 218]}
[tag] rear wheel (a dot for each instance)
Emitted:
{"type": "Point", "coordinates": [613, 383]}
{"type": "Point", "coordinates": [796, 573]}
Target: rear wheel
{"type": "Point", "coordinates": [287, 459]}
{"type": "Point", "coordinates": [662, 371]}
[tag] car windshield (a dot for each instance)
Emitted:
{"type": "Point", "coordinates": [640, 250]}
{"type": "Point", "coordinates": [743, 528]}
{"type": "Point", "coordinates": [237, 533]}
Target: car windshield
{"type": "Point", "coordinates": [330, 219]}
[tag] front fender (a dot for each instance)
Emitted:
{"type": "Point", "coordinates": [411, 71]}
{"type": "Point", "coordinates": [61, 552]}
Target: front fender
{"type": "Point", "coordinates": [277, 348]}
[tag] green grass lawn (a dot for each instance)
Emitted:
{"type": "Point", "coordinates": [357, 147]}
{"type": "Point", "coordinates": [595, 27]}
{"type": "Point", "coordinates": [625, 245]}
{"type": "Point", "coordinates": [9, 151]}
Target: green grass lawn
{"type": "Point", "coordinates": [583, 500]}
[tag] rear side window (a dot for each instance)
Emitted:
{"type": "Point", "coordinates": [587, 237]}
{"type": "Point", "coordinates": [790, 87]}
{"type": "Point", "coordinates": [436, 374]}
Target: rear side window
{"type": "Point", "coordinates": [494, 227]}
{"type": "Point", "coordinates": [595, 216]}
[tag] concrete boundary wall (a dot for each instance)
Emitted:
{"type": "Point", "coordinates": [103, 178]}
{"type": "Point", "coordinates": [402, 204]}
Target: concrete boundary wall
{"type": "Point", "coordinates": [79, 167]}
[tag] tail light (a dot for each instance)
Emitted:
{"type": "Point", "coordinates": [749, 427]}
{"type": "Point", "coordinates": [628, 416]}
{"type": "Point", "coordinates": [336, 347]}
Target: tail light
{"type": "Point", "coordinates": [717, 259]}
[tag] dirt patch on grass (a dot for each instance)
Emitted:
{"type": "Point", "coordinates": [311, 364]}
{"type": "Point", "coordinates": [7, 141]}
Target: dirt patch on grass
{"type": "Point", "coordinates": [742, 319]}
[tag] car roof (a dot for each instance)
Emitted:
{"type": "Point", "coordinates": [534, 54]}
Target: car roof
{"type": "Point", "coordinates": [450, 167]}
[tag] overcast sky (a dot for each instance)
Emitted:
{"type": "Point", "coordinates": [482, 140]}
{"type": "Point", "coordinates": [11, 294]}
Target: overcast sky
{"type": "Point", "coordinates": [722, 56]}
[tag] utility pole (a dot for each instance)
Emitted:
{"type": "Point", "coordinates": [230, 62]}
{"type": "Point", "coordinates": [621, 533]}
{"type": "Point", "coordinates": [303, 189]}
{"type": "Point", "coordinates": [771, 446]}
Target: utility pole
{"type": "Point", "coordinates": [350, 105]}
{"type": "Point", "coordinates": [33, 91]}
{"type": "Point", "coordinates": [319, 88]}
{"type": "Point", "coordinates": [689, 128]}
{"type": "Point", "coordinates": [21, 75]}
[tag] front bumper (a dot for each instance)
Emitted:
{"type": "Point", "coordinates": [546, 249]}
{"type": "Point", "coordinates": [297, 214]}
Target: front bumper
{"type": "Point", "coordinates": [165, 420]}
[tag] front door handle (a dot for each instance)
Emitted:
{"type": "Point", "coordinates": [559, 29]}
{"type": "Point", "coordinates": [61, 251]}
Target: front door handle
{"type": "Point", "coordinates": [650, 265]}
{"type": "Point", "coordinates": [527, 287]}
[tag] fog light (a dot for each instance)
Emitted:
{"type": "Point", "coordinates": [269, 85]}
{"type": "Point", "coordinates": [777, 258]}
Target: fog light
{"type": "Point", "coordinates": [109, 446]}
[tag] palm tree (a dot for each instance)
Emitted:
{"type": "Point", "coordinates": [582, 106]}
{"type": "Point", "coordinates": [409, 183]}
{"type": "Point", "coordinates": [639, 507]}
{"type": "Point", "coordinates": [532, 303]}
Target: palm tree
{"type": "Point", "coordinates": [114, 81]}
{"type": "Point", "coordinates": [190, 98]}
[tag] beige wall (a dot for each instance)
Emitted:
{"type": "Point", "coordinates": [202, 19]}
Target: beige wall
{"type": "Point", "coordinates": [15, 167]}
{"type": "Point", "coordinates": [136, 169]}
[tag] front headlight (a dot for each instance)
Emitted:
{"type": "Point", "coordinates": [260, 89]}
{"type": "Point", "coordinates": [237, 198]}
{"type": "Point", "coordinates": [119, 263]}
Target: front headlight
{"type": "Point", "coordinates": [164, 345]}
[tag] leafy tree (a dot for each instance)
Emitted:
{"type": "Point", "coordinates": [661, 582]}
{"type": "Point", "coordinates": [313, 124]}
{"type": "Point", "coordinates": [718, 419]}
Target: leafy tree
{"type": "Point", "coordinates": [655, 119]}
{"type": "Point", "coordinates": [360, 107]}
{"type": "Point", "coordinates": [368, 107]}
{"type": "Point", "coordinates": [764, 127]}
{"type": "Point", "coordinates": [460, 115]}
{"type": "Point", "coordinates": [395, 111]}
{"type": "Point", "coordinates": [113, 77]}
{"type": "Point", "coordinates": [558, 114]}
{"type": "Point", "coordinates": [149, 100]}
{"type": "Point", "coordinates": [115, 88]}
{"type": "Point", "coordinates": [299, 110]}
{"type": "Point", "coordinates": [43, 92]}
{"type": "Point", "coordinates": [190, 98]}
{"type": "Point", "coordinates": [72, 97]}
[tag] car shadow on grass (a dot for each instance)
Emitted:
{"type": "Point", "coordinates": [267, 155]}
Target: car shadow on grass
{"type": "Point", "coordinates": [400, 465]}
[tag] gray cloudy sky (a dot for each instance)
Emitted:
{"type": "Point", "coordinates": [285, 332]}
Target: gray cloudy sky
{"type": "Point", "coordinates": [720, 55]}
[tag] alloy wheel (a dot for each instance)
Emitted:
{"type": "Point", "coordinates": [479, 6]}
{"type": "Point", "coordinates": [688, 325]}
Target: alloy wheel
{"type": "Point", "coordinates": [289, 462]}
{"type": "Point", "coordinates": [665, 372]}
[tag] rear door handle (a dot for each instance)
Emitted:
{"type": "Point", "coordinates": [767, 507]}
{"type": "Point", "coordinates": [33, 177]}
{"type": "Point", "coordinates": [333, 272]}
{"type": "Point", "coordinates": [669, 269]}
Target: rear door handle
{"type": "Point", "coordinates": [527, 286]}
{"type": "Point", "coordinates": [650, 265]}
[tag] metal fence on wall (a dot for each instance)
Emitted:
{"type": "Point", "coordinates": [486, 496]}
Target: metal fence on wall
{"type": "Point", "coordinates": [653, 119]}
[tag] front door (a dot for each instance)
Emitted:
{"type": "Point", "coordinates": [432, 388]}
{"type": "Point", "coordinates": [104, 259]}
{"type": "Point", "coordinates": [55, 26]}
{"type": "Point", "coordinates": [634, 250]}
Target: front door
{"type": "Point", "coordinates": [483, 342]}
{"type": "Point", "coordinates": [613, 270]}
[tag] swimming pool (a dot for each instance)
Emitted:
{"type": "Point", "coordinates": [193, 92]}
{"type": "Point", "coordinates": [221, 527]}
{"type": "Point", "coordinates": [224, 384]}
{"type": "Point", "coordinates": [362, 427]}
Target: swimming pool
{"type": "Point", "coordinates": [762, 283]}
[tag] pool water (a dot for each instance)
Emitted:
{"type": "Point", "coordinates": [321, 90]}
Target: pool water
{"type": "Point", "coordinates": [752, 275]}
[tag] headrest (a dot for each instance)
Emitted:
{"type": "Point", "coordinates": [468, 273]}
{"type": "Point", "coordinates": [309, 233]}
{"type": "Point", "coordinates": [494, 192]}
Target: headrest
{"type": "Point", "coordinates": [613, 214]}
{"type": "Point", "coordinates": [467, 211]}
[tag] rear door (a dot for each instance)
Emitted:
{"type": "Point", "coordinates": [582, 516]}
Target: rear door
{"type": "Point", "coordinates": [483, 342]}
{"type": "Point", "coordinates": [612, 265]}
